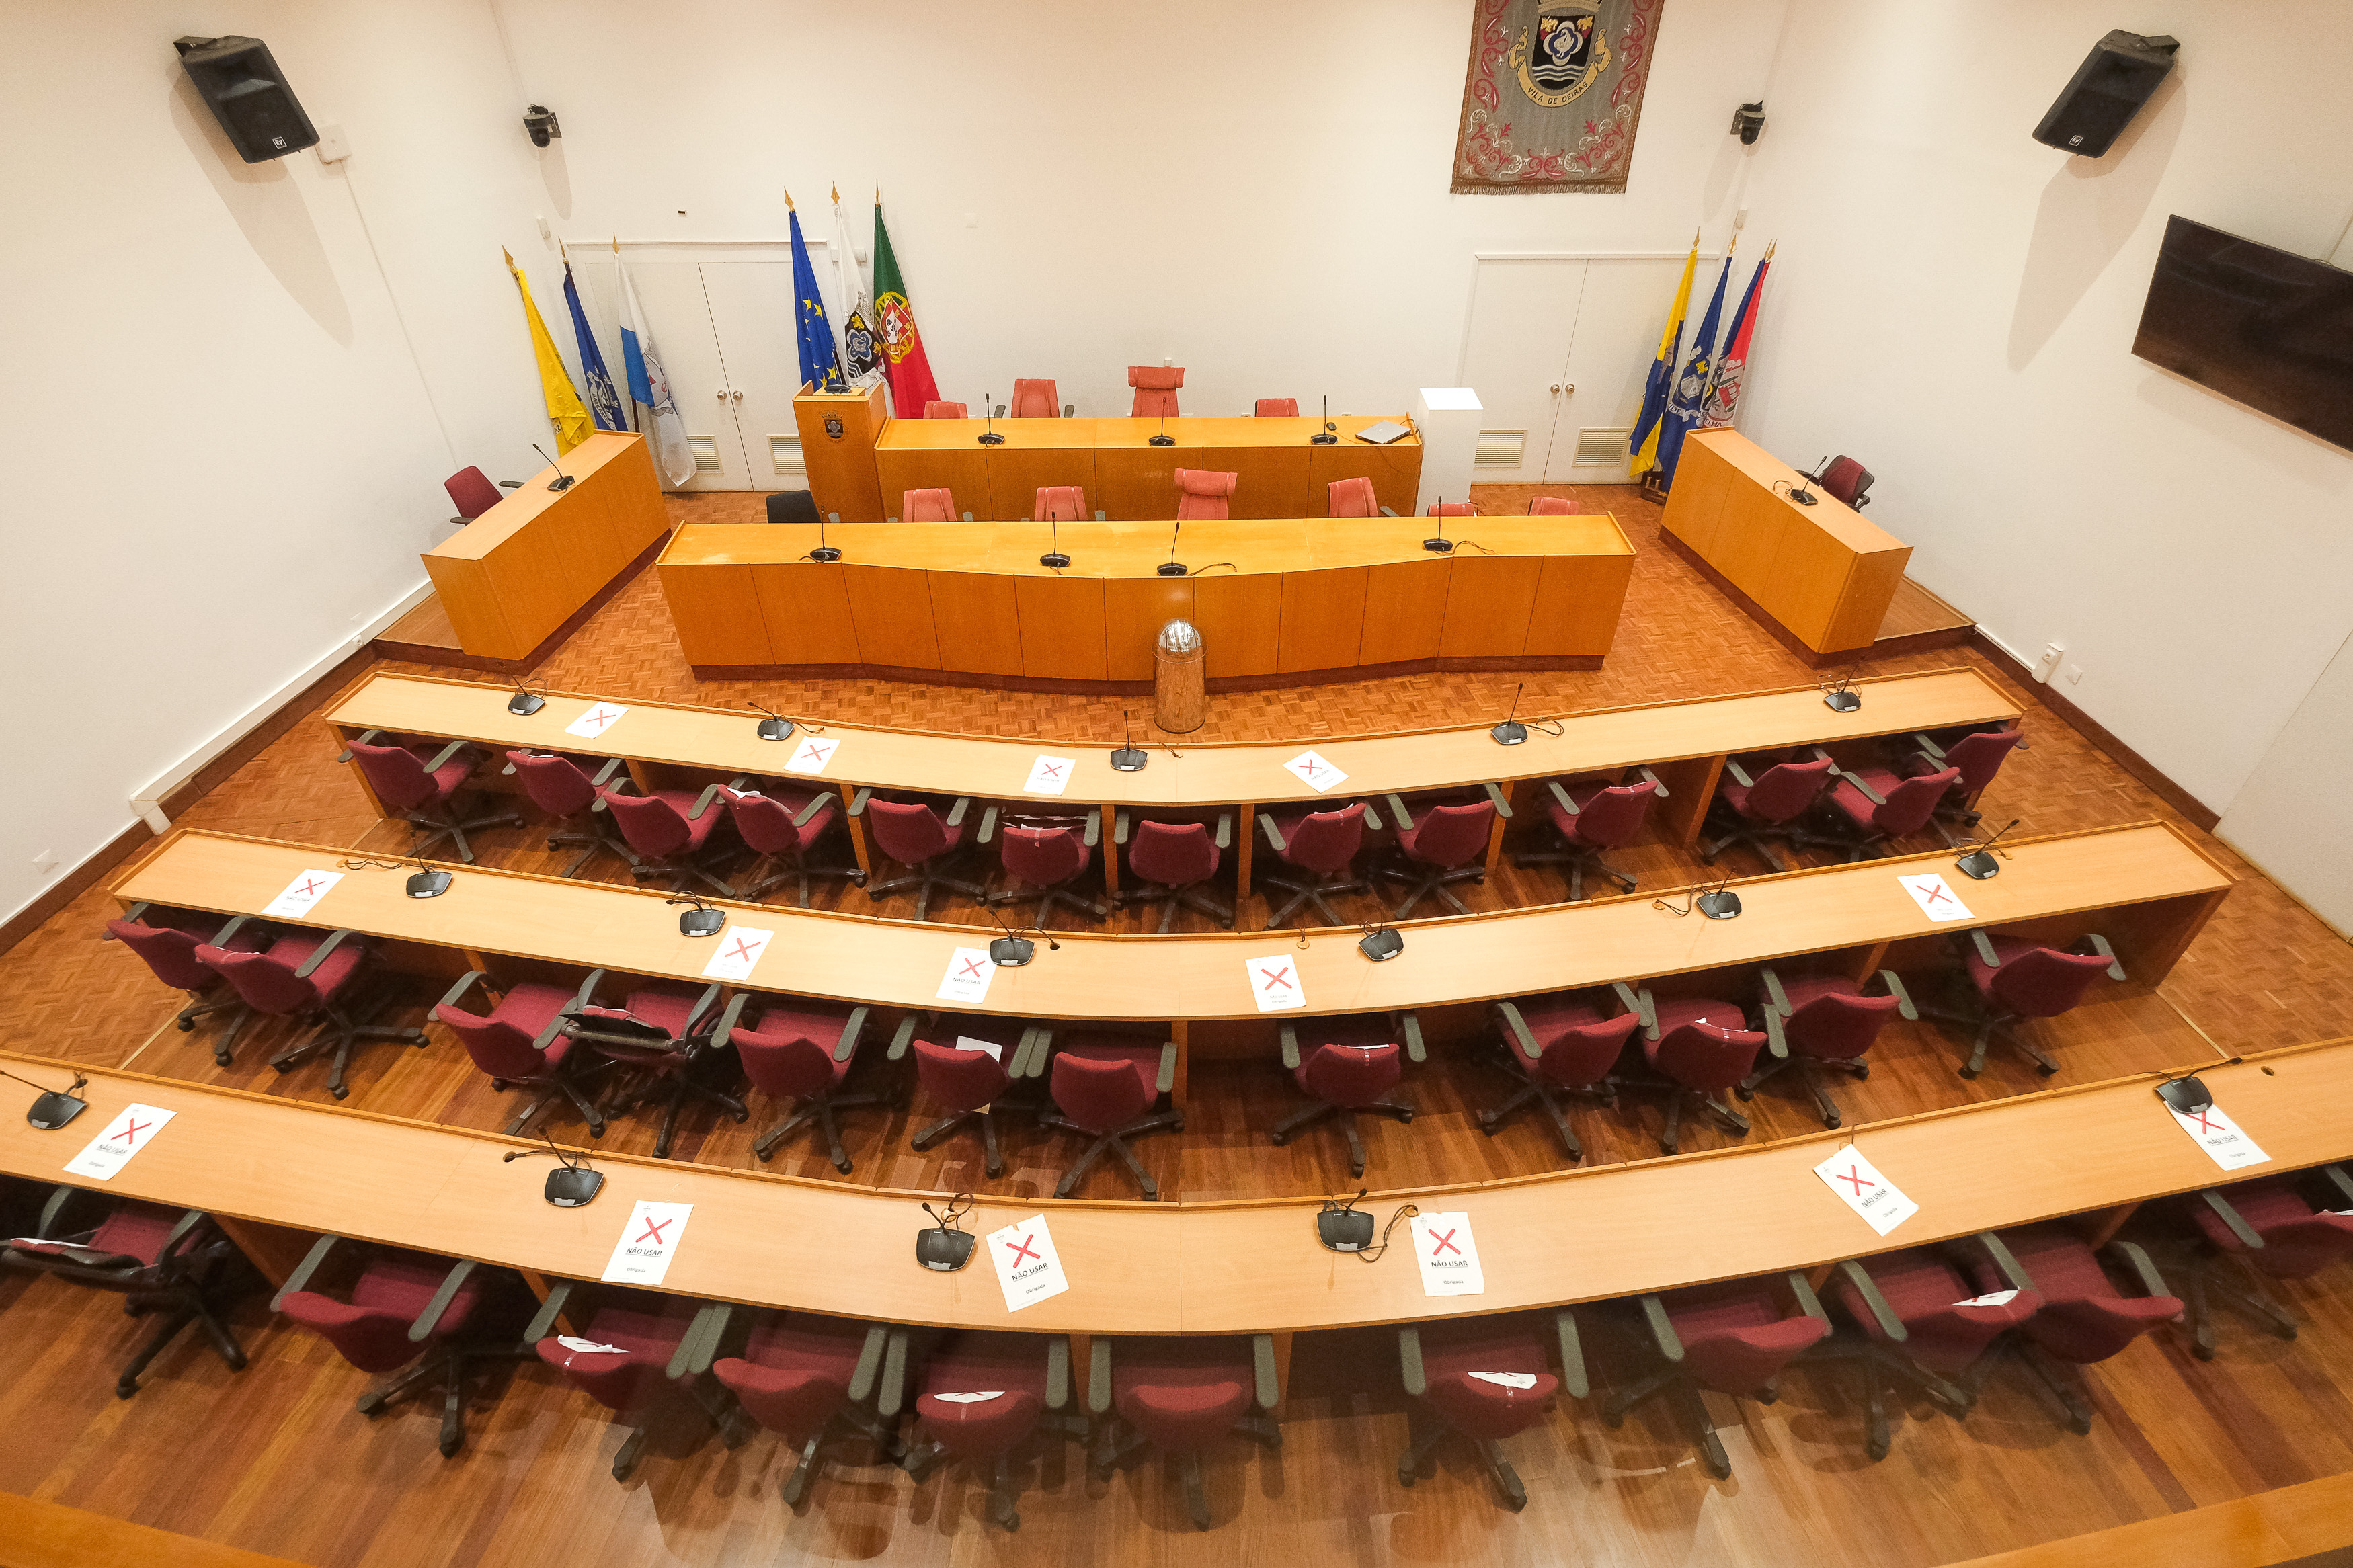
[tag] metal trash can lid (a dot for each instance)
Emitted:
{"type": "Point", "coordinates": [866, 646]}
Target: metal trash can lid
{"type": "Point", "coordinates": [1179, 637]}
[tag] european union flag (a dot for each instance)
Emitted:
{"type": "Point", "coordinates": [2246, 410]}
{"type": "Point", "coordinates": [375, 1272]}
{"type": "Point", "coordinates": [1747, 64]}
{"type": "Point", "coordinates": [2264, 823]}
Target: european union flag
{"type": "Point", "coordinates": [820, 359]}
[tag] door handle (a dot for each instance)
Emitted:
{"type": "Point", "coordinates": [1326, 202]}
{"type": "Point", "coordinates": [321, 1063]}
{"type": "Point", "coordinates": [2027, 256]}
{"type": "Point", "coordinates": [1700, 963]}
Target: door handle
{"type": "Point", "coordinates": [720, 395]}
{"type": "Point", "coordinates": [737, 395]}
{"type": "Point", "coordinates": [1556, 387]}
{"type": "Point", "coordinates": [1570, 387]}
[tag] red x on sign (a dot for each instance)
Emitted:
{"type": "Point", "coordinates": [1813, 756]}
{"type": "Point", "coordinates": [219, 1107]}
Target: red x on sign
{"type": "Point", "coordinates": [654, 1230]}
{"type": "Point", "coordinates": [1022, 1250]}
{"type": "Point", "coordinates": [971, 966]}
{"type": "Point", "coordinates": [1854, 1174]}
{"type": "Point", "coordinates": [1311, 766]}
{"type": "Point", "coordinates": [601, 716]}
{"type": "Point", "coordinates": [1049, 770]}
{"type": "Point", "coordinates": [131, 1130]}
{"type": "Point", "coordinates": [813, 752]}
{"type": "Point", "coordinates": [1279, 976]}
{"type": "Point", "coordinates": [2203, 1124]}
{"type": "Point", "coordinates": [744, 949]}
{"type": "Point", "coordinates": [307, 887]}
{"type": "Point", "coordinates": [1445, 1240]}
{"type": "Point", "coordinates": [1934, 893]}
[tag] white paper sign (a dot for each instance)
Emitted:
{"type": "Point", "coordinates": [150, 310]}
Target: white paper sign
{"type": "Point", "coordinates": [966, 979]}
{"type": "Point", "coordinates": [1936, 901]}
{"type": "Point", "coordinates": [642, 1254]}
{"type": "Point", "coordinates": [2220, 1137]}
{"type": "Point", "coordinates": [812, 754]}
{"type": "Point", "coordinates": [1999, 1298]}
{"type": "Point", "coordinates": [301, 893]}
{"type": "Point", "coordinates": [740, 948]}
{"type": "Point", "coordinates": [587, 1347]}
{"type": "Point", "coordinates": [1314, 771]}
{"type": "Point", "coordinates": [1866, 1191]}
{"type": "Point", "coordinates": [966, 1043]}
{"type": "Point", "coordinates": [1449, 1257]}
{"type": "Point", "coordinates": [1274, 983]}
{"type": "Point", "coordinates": [1508, 1379]}
{"type": "Point", "coordinates": [599, 718]}
{"type": "Point", "coordinates": [1050, 775]}
{"type": "Point", "coordinates": [124, 1136]}
{"type": "Point", "coordinates": [968, 1399]}
{"type": "Point", "coordinates": [1027, 1266]}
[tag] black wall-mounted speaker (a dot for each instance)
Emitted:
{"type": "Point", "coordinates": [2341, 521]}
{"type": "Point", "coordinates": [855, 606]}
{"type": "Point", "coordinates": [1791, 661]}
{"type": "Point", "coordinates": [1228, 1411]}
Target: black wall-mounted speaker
{"type": "Point", "coordinates": [249, 95]}
{"type": "Point", "coordinates": [2107, 91]}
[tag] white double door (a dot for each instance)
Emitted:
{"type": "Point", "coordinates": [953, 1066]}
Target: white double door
{"type": "Point", "coordinates": [1559, 349]}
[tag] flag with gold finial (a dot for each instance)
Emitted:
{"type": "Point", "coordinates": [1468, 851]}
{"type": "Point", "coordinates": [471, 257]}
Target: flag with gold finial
{"type": "Point", "coordinates": [1723, 398]}
{"type": "Point", "coordinates": [909, 367]}
{"type": "Point", "coordinates": [821, 361]}
{"type": "Point", "coordinates": [564, 409]}
{"type": "Point", "coordinates": [1644, 442]}
{"type": "Point", "coordinates": [862, 349]}
{"type": "Point", "coordinates": [1683, 406]}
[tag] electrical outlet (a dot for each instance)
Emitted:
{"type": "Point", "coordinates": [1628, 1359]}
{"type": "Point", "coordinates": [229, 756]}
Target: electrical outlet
{"type": "Point", "coordinates": [2075, 673]}
{"type": "Point", "coordinates": [333, 147]}
{"type": "Point", "coordinates": [2048, 665]}
{"type": "Point", "coordinates": [1740, 218]}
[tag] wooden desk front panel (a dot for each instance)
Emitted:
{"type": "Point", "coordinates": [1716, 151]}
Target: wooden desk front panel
{"type": "Point", "coordinates": [891, 608]}
{"type": "Point", "coordinates": [977, 621]}
{"type": "Point", "coordinates": [808, 615]}
{"type": "Point", "coordinates": [1140, 481]}
{"type": "Point", "coordinates": [1061, 627]}
{"type": "Point", "coordinates": [1579, 600]}
{"type": "Point", "coordinates": [1135, 610]}
{"type": "Point", "coordinates": [1488, 606]}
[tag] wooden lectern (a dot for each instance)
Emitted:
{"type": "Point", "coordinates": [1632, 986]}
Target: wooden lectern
{"type": "Point", "coordinates": [838, 430]}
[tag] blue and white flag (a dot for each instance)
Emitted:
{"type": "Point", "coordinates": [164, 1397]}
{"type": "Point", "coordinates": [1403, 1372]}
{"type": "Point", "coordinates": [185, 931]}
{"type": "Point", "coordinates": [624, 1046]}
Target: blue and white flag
{"type": "Point", "coordinates": [672, 457]}
{"type": "Point", "coordinates": [604, 403]}
{"type": "Point", "coordinates": [1688, 402]}
{"type": "Point", "coordinates": [820, 360]}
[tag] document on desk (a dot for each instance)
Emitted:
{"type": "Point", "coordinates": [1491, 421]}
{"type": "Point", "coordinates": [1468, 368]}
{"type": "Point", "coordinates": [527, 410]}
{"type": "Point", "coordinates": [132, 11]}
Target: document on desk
{"type": "Point", "coordinates": [1049, 775]}
{"type": "Point", "coordinates": [1314, 771]}
{"type": "Point", "coordinates": [968, 976]}
{"type": "Point", "coordinates": [812, 754]}
{"type": "Point", "coordinates": [128, 1133]}
{"type": "Point", "coordinates": [1449, 1257]}
{"type": "Point", "coordinates": [1274, 983]}
{"type": "Point", "coordinates": [2220, 1138]}
{"type": "Point", "coordinates": [1027, 1269]}
{"type": "Point", "coordinates": [1859, 1184]}
{"type": "Point", "coordinates": [1936, 901]}
{"type": "Point", "coordinates": [642, 1254]}
{"type": "Point", "coordinates": [301, 893]}
{"type": "Point", "coordinates": [740, 948]}
{"type": "Point", "coordinates": [600, 717]}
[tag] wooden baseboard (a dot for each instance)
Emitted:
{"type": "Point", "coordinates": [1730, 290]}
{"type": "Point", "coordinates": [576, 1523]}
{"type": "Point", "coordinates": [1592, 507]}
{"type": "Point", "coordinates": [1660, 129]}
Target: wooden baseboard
{"type": "Point", "coordinates": [1133, 687]}
{"type": "Point", "coordinates": [75, 883]}
{"type": "Point", "coordinates": [2092, 730]}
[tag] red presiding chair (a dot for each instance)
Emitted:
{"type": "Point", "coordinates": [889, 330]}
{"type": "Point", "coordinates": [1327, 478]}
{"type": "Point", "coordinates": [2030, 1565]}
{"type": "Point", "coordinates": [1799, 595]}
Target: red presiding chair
{"type": "Point", "coordinates": [436, 1316]}
{"type": "Point", "coordinates": [1978, 753]}
{"type": "Point", "coordinates": [1699, 1050]}
{"type": "Point", "coordinates": [1733, 1337]}
{"type": "Point", "coordinates": [1203, 494]}
{"type": "Point", "coordinates": [1038, 400]}
{"type": "Point", "coordinates": [1103, 1085]}
{"type": "Point", "coordinates": [917, 835]}
{"type": "Point", "coordinates": [664, 1031]}
{"type": "Point", "coordinates": [1451, 509]}
{"type": "Point", "coordinates": [421, 789]}
{"type": "Point", "coordinates": [1277, 408]}
{"type": "Point", "coordinates": [1866, 812]}
{"type": "Point", "coordinates": [1756, 812]}
{"type": "Point", "coordinates": [810, 1379]}
{"type": "Point", "coordinates": [1179, 1395]}
{"type": "Point", "coordinates": [635, 1352]}
{"type": "Point", "coordinates": [929, 506]}
{"type": "Point", "coordinates": [1551, 506]}
{"type": "Point", "coordinates": [1174, 858]}
{"type": "Point", "coordinates": [1487, 1379]}
{"type": "Point", "coordinates": [1064, 503]}
{"type": "Point", "coordinates": [967, 1066]}
{"type": "Point", "coordinates": [1562, 1044]}
{"type": "Point", "coordinates": [1847, 481]}
{"type": "Point", "coordinates": [940, 408]}
{"type": "Point", "coordinates": [675, 833]}
{"type": "Point", "coordinates": [520, 1043]}
{"type": "Point", "coordinates": [1042, 856]}
{"type": "Point", "coordinates": [166, 940]}
{"type": "Point", "coordinates": [1324, 845]}
{"type": "Point", "coordinates": [308, 977]}
{"type": "Point", "coordinates": [2277, 1227]}
{"type": "Point", "coordinates": [1448, 845]}
{"type": "Point", "coordinates": [562, 788]}
{"type": "Point", "coordinates": [801, 1051]}
{"type": "Point", "coordinates": [2010, 980]}
{"type": "Point", "coordinates": [1155, 390]}
{"type": "Point", "coordinates": [174, 1262]}
{"type": "Point", "coordinates": [1351, 1062]}
{"type": "Point", "coordinates": [471, 492]}
{"type": "Point", "coordinates": [1918, 1318]}
{"type": "Point", "coordinates": [782, 825]}
{"type": "Point", "coordinates": [1354, 497]}
{"type": "Point", "coordinates": [1610, 816]}
{"type": "Point", "coordinates": [979, 1395]}
{"type": "Point", "coordinates": [1825, 1023]}
{"type": "Point", "coordinates": [2084, 1317]}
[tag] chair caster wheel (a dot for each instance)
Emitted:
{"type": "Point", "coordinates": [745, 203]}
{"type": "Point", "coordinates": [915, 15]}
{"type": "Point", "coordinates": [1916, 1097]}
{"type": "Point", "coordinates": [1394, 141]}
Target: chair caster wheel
{"type": "Point", "coordinates": [1862, 1070]}
{"type": "Point", "coordinates": [220, 1061]}
{"type": "Point", "coordinates": [2045, 1071]}
{"type": "Point", "coordinates": [449, 1446]}
{"type": "Point", "coordinates": [281, 1068]}
{"type": "Point", "coordinates": [370, 1405]}
{"type": "Point", "coordinates": [2203, 1352]}
{"type": "Point", "coordinates": [1744, 1091]}
{"type": "Point", "coordinates": [1279, 1139]}
{"type": "Point", "coordinates": [498, 1085]}
{"type": "Point", "coordinates": [188, 1026]}
{"type": "Point", "coordinates": [1407, 1118]}
{"type": "Point", "coordinates": [1968, 1072]}
{"type": "Point", "coordinates": [1486, 1124]}
{"type": "Point", "coordinates": [125, 1389]}
{"type": "Point", "coordinates": [342, 1093]}
{"type": "Point", "coordinates": [1830, 1121]}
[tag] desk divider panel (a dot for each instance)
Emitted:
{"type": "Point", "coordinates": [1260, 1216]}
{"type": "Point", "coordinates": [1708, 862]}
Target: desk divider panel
{"type": "Point", "coordinates": [891, 607]}
{"type": "Point", "coordinates": [808, 612]}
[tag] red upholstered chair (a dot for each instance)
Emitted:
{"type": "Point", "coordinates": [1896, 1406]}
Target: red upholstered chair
{"type": "Point", "coordinates": [436, 1316]}
{"type": "Point", "coordinates": [799, 1050]}
{"type": "Point", "coordinates": [979, 1395]}
{"type": "Point", "coordinates": [633, 1353]}
{"type": "Point", "coordinates": [929, 506]}
{"type": "Point", "coordinates": [1449, 845]}
{"type": "Point", "coordinates": [675, 833]}
{"type": "Point", "coordinates": [1451, 509]}
{"type": "Point", "coordinates": [471, 492]}
{"type": "Point", "coordinates": [1155, 390]}
{"type": "Point", "coordinates": [1825, 1023]}
{"type": "Point", "coordinates": [1104, 1084]}
{"type": "Point", "coordinates": [307, 976]}
{"type": "Point", "coordinates": [1610, 817]}
{"type": "Point", "coordinates": [166, 942]}
{"type": "Point", "coordinates": [1698, 1049]}
{"type": "Point", "coordinates": [565, 791]}
{"type": "Point", "coordinates": [968, 1082]}
{"type": "Point", "coordinates": [1037, 400]}
{"type": "Point", "coordinates": [1755, 812]}
{"type": "Point", "coordinates": [782, 824]}
{"type": "Point", "coordinates": [664, 1031]}
{"type": "Point", "coordinates": [1734, 1338]}
{"type": "Point", "coordinates": [1277, 408]}
{"type": "Point", "coordinates": [2010, 980]}
{"type": "Point", "coordinates": [1180, 1396]}
{"type": "Point", "coordinates": [1847, 481]}
{"type": "Point", "coordinates": [919, 838]}
{"type": "Point", "coordinates": [1978, 753]}
{"type": "Point", "coordinates": [1488, 1379]}
{"type": "Point", "coordinates": [1551, 506]}
{"type": "Point", "coordinates": [2084, 1317]}
{"type": "Point", "coordinates": [1919, 1317]}
{"type": "Point", "coordinates": [1203, 494]}
{"type": "Point", "coordinates": [1867, 811]}
{"type": "Point", "coordinates": [2280, 1227]}
{"type": "Point", "coordinates": [1563, 1043]}
{"type": "Point", "coordinates": [1350, 1062]}
{"type": "Point", "coordinates": [1174, 858]}
{"type": "Point", "coordinates": [939, 409]}
{"type": "Point", "coordinates": [1322, 843]}
{"type": "Point", "coordinates": [520, 1042]}
{"type": "Point", "coordinates": [1065, 503]}
{"type": "Point", "coordinates": [421, 789]}
{"type": "Point", "coordinates": [1043, 856]}
{"type": "Point", "coordinates": [1354, 497]}
{"type": "Point", "coordinates": [806, 1378]}
{"type": "Point", "coordinates": [172, 1261]}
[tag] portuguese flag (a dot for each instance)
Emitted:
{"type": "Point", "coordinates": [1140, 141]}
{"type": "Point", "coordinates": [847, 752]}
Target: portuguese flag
{"type": "Point", "coordinates": [908, 368]}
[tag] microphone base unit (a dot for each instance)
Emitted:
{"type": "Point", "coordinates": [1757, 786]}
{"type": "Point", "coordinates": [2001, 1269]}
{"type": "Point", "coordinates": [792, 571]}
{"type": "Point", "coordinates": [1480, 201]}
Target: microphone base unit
{"type": "Point", "coordinates": [1841, 701]}
{"type": "Point", "coordinates": [990, 439]}
{"type": "Point", "coordinates": [1803, 497]}
{"type": "Point", "coordinates": [826, 553]}
{"type": "Point", "coordinates": [53, 1108]}
{"type": "Point", "coordinates": [429, 884]}
{"type": "Point", "coordinates": [562, 482]}
{"type": "Point", "coordinates": [944, 1251]}
{"type": "Point", "coordinates": [776, 728]}
{"type": "Point", "coordinates": [523, 704]}
{"type": "Point", "coordinates": [1129, 760]}
{"type": "Point", "coordinates": [701, 923]}
{"type": "Point", "coordinates": [2186, 1095]}
{"type": "Point", "coordinates": [570, 1187]}
{"type": "Point", "coordinates": [1382, 945]}
{"type": "Point", "coordinates": [1980, 864]}
{"type": "Point", "coordinates": [1722, 905]}
{"type": "Point", "coordinates": [1171, 569]}
{"type": "Point", "coordinates": [1345, 1230]}
{"type": "Point", "coordinates": [1011, 951]}
{"type": "Point", "coordinates": [1510, 733]}
{"type": "Point", "coordinates": [1162, 441]}
{"type": "Point", "coordinates": [1055, 559]}
{"type": "Point", "coordinates": [1438, 546]}
{"type": "Point", "coordinates": [1324, 438]}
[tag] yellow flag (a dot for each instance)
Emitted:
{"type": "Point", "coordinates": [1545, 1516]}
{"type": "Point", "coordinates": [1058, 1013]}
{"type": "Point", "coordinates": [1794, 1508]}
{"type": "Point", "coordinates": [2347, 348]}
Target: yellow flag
{"type": "Point", "coordinates": [564, 409]}
{"type": "Point", "coordinates": [1653, 419]}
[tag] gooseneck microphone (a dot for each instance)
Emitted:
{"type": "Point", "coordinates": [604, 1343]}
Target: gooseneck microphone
{"type": "Point", "coordinates": [1800, 494]}
{"type": "Point", "coordinates": [1441, 546]}
{"type": "Point", "coordinates": [990, 438]}
{"type": "Point", "coordinates": [824, 551]}
{"type": "Point", "coordinates": [1511, 733]}
{"type": "Point", "coordinates": [1327, 436]}
{"type": "Point", "coordinates": [775, 726]}
{"type": "Point", "coordinates": [562, 481]}
{"type": "Point", "coordinates": [1053, 556]}
{"type": "Point", "coordinates": [1013, 950]}
{"type": "Point", "coordinates": [1841, 698]}
{"type": "Point", "coordinates": [1171, 567]}
{"type": "Point", "coordinates": [1980, 862]}
{"type": "Point", "coordinates": [572, 1184]}
{"type": "Point", "coordinates": [53, 1107]}
{"type": "Point", "coordinates": [1129, 758]}
{"type": "Point", "coordinates": [525, 702]}
{"type": "Point", "coordinates": [699, 921]}
{"type": "Point", "coordinates": [1164, 439]}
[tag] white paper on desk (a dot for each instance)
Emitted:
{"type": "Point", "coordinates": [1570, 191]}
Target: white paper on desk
{"type": "Point", "coordinates": [968, 976]}
{"type": "Point", "coordinates": [1027, 1267]}
{"type": "Point", "coordinates": [812, 754]}
{"type": "Point", "coordinates": [1857, 1182]}
{"type": "Point", "coordinates": [1449, 1257]}
{"type": "Point", "coordinates": [2220, 1138]}
{"type": "Point", "coordinates": [1050, 775]}
{"type": "Point", "coordinates": [642, 1254]}
{"type": "Point", "coordinates": [129, 1133]}
{"type": "Point", "coordinates": [301, 893]}
{"type": "Point", "coordinates": [740, 948]}
{"type": "Point", "coordinates": [1936, 901]}
{"type": "Point", "coordinates": [1316, 772]}
{"type": "Point", "coordinates": [599, 718]}
{"type": "Point", "coordinates": [1274, 983]}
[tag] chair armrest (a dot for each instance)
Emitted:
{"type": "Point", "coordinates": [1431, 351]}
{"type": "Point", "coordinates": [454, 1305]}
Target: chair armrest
{"type": "Point", "coordinates": [955, 812]}
{"type": "Point", "coordinates": [988, 826]}
{"type": "Point", "coordinates": [1269, 1390]}
{"type": "Point", "coordinates": [548, 1311]}
{"type": "Point", "coordinates": [1225, 830]}
{"type": "Point", "coordinates": [1399, 817]}
{"type": "Point", "coordinates": [701, 1005]}
{"type": "Point", "coordinates": [365, 737]}
{"type": "Point", "coordinates": [1409, 1024]}
{"type": "Point", "coordinates": [442, 758]}
{"type": "Point", "coordinates": [1057, 1371]}
{"type": "Point", "coordinates": [1773, 993]}
{"type": "Point", "coordinates": [2336, 1177]}
{"type": "Point", "coordinates": [1417, 1380]}
{"type": "Point", "coordinates": [1896, 988]}
{"type": "Point", "coordinates": [430, 1319]}
{"type": "Point", "coordinates": [849, 1033]}
{"type": "Point", "coordinates": [1041, 1051]}
{"type": "Point", "coordinates": [2100, 947]}
{"type": "Point", "coordinates": [221, 937]}
{"type": "Point", "coordinates": [721, 1036]}
{"type": "Point", "coordinates": [818, 802]}
{"type": "Point", "coordinates": [1739, 774]}
{"type": "Point", "coordinates": [698, 1347]}
{"type": "Point", "coordinates": [1863, 789]}
{"type": "Point", "coordinates": [2130, 1254]}
{"type": "Point", "coordinates": [605, 774]}
{"type": "Point", "coordinates": [1372, 814]}
{"type": "Point", "coordinates": [1093, 834]}
{"type": "Point", "coordinates": [1167, 1082]}
{"type": "Point", "coordinates": [858, 800]}
{"type": "Point", "coordinates": [2003, 1260]}
{"type": "Point", "coordinates": [1776, 1040]}
{"type": "Point", "coordinates": [1985, 953]}
{"type": "Point", "coordinates": [1099, 1373]}
{"type": "Point", "coordinates": [511, 484]}
{"type": "Point", "coordinates": [1920, 738]}
{"type": "Point", "coordinates": [1018, 1067]}
{"type": "Point", "coordinates": [1561, 796]}
{"type": "Point", "coordinates": [1652, 780]}
{"type": "Point", "coordinates": [1807, 1302]}
{"type": "Point", "coordinates": [1274, 834]}
{"type": "Point", "coordinates": [130, 917]}
{"type": "Point", "coordinates": [300, 1281]}
{"type": "Point", "coordinates": [868, 1371]}
{"type": "Point", "coordinates": [1119, 824]}
{"type": "Point", "coordinates": [703, 802]}
{"type": "Point", "coordinates": [967, 517]}
{"type": "Point", "coordinates": [893, 1398]}
{"type": "Point", "coordinates": [465, 983]}
{"type": "Point", "coordinates": [2231, 1217]}
{"type": "Point", "coordinates": [1572, 1354]}
{"type": "Point", "coordinates": [318, 954]}
{"type": "Point", "coordinates": [1290, 1038]}
{"type": "Point", "coordinates": [1642, 1002]}
{"type": "Point", "coordinates": [1867, 1288]}
{"type": "Point", "coordinates": [59, 1198]}
{"type": "Point", "coordinates": [1496, 793]}
{"type": "Point", "coordinates": [188, 1221]}
{"type": "Point", "coordinates": [1662, 1333]}
{"type": "Point", "coordinates": [901, 1039]}
{"type": "Point", "coordinates": [1508, 1015]}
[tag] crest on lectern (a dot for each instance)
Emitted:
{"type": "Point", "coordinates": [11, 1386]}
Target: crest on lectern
{"type": "Point", "coordinates": [833, 430]}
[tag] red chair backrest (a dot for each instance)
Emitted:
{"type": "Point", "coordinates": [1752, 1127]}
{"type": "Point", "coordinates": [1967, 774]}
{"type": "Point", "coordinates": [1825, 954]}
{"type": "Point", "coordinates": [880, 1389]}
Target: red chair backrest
{"type": "Point", "coordinates": [1068, 502]}
{"type": "Point", "coordinates": [1979, 755]}
{"type": "Point", "coordinates": [1615, 815]}
{"type": "Point", "coordinates": [1098, 1095]}
{"type": "Point", "coordinates": [1584, 1054]}
{"type": "Point", "coordinates": [1744, 1360]}
{"type": "Point", "coordinates": [1036, 400]}
{"type": "Point", "coordinates": [1845, 479]}
{"type": "Point", "coordinates": [2300, 1248]}
{"type": "Point", "coordinates": [2044, 982]}
{"type": "Point", "coordinates": [1043, 857]}
{"type": "Point", "coordinates": [1202, 493]}
{"type": "Point", "coordinates": [1702, 1056]}
{"type": "Point", "coordinates": [653, 826]}
{"type": "Point", "coordinates": [785, 1064]}
{"type": "Point", "coordinates": [1912, 803]}
{"type": "Point", "coordinates": [939, 409]}
{"type": "Point", "coordinates": [471, 492]}
{"type": "Point", "coordinates": [1173, 854]}
{"type": "Point", "coordinates": [1551, 506]}
{"type": "Point", "coordinates": [1451, 509]}
{"type": "Point", "coordinates": [927, 506]}
{"type": "Point", "coordinates": [910, 835]}
{"type": "Point", "coordinates": [555, 784]}
{"type": "Point", "coordinates": [1837, 1026]}
{"type": "Point", "coordinates": [1155, 389]}
{"type": "Point", "coordinates": [396, 774]}
{"type": "Point", "coordinates": [1278, 409]}
{"type": "Point", "coordinates": [1351, 1075]}
{"type": "Point", "coordinates": [371, 1338]}
{"type": "Point", "coordinates": [1327, 840]}
{"type": "Point", "coordinates": [169, 951]}
{"type": "Point", "coordinates": [959, 1079]}
{"type": "Point", "coordinates": [765, 822]}
{"type": "Point", "coordinates": [1787, 789]}
{"type": "Point", "coordinates": [268, 983]}
{"type": "Point", "coordinates": [498, 1048]}
{"type": "Point", "coordinates": [1353, 498]}
{"type": "Point", "coordinates": [1451, 836]}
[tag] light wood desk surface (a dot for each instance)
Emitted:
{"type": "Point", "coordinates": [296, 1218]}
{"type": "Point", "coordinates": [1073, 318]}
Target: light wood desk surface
{"type": "Point", "coordinates": [1236, 430]}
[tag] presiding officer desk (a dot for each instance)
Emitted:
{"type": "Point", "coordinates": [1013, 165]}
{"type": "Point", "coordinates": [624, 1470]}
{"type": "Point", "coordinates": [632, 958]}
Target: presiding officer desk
{"type": "Point", "coordinates": [671, 745]}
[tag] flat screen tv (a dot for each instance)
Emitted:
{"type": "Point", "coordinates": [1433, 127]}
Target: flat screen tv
{"type": "Point", "coordinates": [2271, 330]}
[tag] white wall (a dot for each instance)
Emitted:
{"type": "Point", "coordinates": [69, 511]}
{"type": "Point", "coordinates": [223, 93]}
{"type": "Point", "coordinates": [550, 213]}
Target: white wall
{"type": "Point", "coordinates": [2293, 816]}
{"type": "Point", "coordinates": [1954, 303]}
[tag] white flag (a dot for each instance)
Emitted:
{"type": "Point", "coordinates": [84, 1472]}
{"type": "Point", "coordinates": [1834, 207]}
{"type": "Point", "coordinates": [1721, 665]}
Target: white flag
{"type": "Point", "coordinates": [672, 455]}
{"type": "Point", "coordinates": [861, 351]}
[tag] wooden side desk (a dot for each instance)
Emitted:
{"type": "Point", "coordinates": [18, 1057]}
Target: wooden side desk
{"type": "Point", "coordinates": [517, 575]}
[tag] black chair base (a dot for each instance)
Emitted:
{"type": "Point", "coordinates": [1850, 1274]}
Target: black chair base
{"type": "Point", "coordinates": [1170, 1120]}
{"type": "Point", "coordinates": [850, 1421]}
{"type": "Point", "coordinates": [680, 872]}
{"type": "Point", "coordinates": [1109, 1451]}
{"type": "Point", "coordinates": [1047, 898]}
{"type": "Point", "coordinates": [1882, 1367]}
{"type": "Point", "coordinates": [993, 1159]}
{"type": "Point", "coordinates": [339, 1033]}
{"type": "Point", "coordinates": [818, 1111]}
{"type": "Point", "coordinates": [560, 1084]}
{"type": "Point", "coordinates": [1548, 1095]}
{"type": "Point", "coordinates": [1578, 859]}
{"type": "Point", "coordinates": [1677, 1095]}
{"type": "Point", "coordinates": [923, 879]}
{"type": "Point", "coordinates": [1424, 1432]}
{"type": "Point", "coordinates": [734, 1427]}
{"type": "Point", "coordinates": [2075, 1411]}
{"type": "Point", "coordinates": [673, 1089]}
{"type": "Point", "coordinates": [594, 842]}
{"type": "Point", "coordinates": [241, 1012]}
{"type": "Point", "coordinates": [1686, 1394]}
{"type": "Point", "coordinates": [447, 1365]}
{"type": "Point", "coordinates": [1317, 892]}
{"type": "Point", "coordinates": [797, 872]}
{"type": "Point", "coordinates": [1988, 1026]}
{"type": "Point", "coordinates": [920, 1464]}
{"type": "Point", "coordinates": [431, 829]}
{"type": "Point", "coordinates": [1811, 1070]}
{"type": "Point", "coordinates": [1759, 837]}
{"type": "Point", "coordinates": [1394, 1110]}
{"type": "Point", "coordinates": [1168, 898]}
{"type": "Point", "coordinates": [182, 1307]}
{"type": "Point", "coordinates": [1431, 882]}
{"type": "Point", "coordinates": [2206, 1285]}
